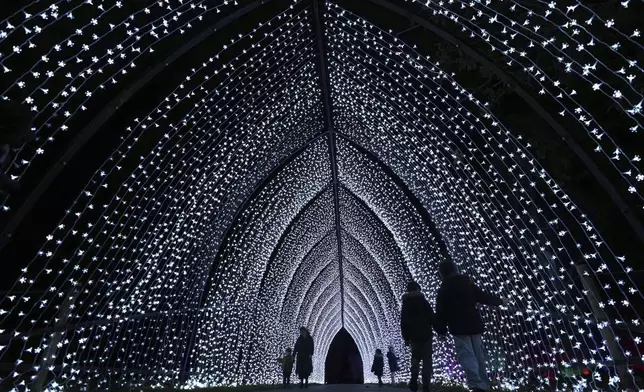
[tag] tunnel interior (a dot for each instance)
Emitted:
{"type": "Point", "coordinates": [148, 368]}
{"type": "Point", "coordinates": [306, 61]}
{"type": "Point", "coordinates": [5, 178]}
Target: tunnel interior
{"type": "Point", "coordinates": [196, 180]}
{"type": "Point", "coordinates": [343, 364]}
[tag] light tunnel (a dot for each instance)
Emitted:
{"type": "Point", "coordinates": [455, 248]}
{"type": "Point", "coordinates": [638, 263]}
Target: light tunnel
{"type": "Point", "coordinates": [201, 178]}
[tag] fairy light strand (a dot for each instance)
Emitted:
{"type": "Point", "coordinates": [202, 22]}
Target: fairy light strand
{"type": "Point", "coordinates": [144, 239]}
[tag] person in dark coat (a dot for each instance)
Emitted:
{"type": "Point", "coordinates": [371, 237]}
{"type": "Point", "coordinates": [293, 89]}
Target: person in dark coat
{"type": "Point", "coordinates": [392, 359]}
{"type": "Point", "coordinates": [287, 367]}
{"type": "Point", "coordinates": [456, 310]}
{"type": "Point", "coordinates": [416, 321]}
{"type": "Point", "coordinates": [303, 354]}
{"type": "Point", "coordinates": [378, 366]}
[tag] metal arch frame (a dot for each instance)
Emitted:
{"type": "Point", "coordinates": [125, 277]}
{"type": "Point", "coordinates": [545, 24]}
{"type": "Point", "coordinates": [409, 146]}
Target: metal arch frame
{"type": "Point", "coordinates": [324, 320]}
{"type": "Point", "coordinates": [376, 324]}
{"type": "Point", "coordinates": [287, 231]}
{"type": "Point", "coordinates": [374, 306]}
{"type": "Point", "coordinates": [371, 212]}
{"type": "Point", "coordinates": [310, 312]}
{"type": "Point", "coordinates": [326, 235]}
{"type": "Point", "coordinates": [106, 113]}
{"type": "Point", "coordinates": [306, 256]}
{"type": "Point", "coordinates": [420, 209]}
{"type": "Point", "coordinates": [307, 311]}
{"type": "Point", "coordinates": [310, 287]}
{"type": "Point", "coordinates": [242, 207]}
{"type": "Point", "coordinates": [509, 80]}
{"type": "Point", "coordinates": [360, 314]}
{"type": "Point", "coordinates": [86, 133]}
{"type": "Point", "coordinates": [371, 256]}
{"type": "Point", "coordinates": [318, 23]}
{"type": "Point", "coordinates": [418, 205]}
{"type": "Point", "coordinates": [226, 237]}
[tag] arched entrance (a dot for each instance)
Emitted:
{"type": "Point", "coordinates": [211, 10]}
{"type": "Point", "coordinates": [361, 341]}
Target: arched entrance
{"type": "Point", "coordinates": [343, 364]}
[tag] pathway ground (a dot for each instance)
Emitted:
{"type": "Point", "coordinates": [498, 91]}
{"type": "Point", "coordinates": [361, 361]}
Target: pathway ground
{"type": "Point", "coordinates": [362, 388]}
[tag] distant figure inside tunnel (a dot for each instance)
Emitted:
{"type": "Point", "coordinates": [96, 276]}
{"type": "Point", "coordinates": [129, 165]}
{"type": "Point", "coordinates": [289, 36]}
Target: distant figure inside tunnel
{"type": "Point", "coordinates": [392, 361]}
{"type": "Point", "coordinates": [303, 354]}
{"type": "Point", "coordinates": [343, 364]}
{"type": "Point", "coordinates": [416, 322]}
{"type": "Point", "coordinates": [378, 366]}
{"type": "Point", "coordinates": [456, 309]}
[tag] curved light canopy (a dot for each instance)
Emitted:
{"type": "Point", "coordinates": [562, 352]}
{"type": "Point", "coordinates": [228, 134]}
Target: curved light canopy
{"type": "Point", "coordinates": [187, 259]}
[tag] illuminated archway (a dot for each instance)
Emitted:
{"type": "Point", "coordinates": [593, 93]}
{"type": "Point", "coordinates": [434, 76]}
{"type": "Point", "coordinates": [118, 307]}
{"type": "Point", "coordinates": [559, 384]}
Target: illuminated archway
{"type": "Point", "coordinates": [229, 171]}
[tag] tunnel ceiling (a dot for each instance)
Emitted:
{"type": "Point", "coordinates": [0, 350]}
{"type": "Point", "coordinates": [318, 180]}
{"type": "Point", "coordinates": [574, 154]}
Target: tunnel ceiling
{"type": "Point", "coordinates": [212, 175]}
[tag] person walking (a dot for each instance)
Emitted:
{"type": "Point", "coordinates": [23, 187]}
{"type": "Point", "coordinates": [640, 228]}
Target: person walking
{"type": "Point", "coordinates": [392, 360]}
{"type": "Point", "coordinates": [416, 322]}
{"type": "Point", "coordinates": [456, 310]}
{"type": "Point", "coordinates": [378, 366]}
{"type": "Point", "coordinates": [303, 354]}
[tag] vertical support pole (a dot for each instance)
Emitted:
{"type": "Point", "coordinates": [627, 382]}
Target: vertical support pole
{"type": "Point", "coordinates": [607, 334]}
{"type": "Point", "coordinates": [50, 353]}
{"type": "Point", "coordinates": [338, 227]}
{"type": "Point", "coordinates": [318, 23]}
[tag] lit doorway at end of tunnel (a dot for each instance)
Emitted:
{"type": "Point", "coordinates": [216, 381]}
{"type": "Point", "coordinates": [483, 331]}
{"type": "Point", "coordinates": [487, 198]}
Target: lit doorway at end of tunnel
{"type": "Point", "coordinates": [343, 364]}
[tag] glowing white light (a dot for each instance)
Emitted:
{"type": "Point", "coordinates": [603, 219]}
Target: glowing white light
{"type": "Point", "coordinates": [140, 257]}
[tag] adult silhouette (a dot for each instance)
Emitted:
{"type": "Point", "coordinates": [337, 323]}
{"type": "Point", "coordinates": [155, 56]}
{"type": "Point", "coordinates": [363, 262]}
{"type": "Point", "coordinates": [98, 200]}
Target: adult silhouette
{"type": "Point", "coordinates": [303, 353]}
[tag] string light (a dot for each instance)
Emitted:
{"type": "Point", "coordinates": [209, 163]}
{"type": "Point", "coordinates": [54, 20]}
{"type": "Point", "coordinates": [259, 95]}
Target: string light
{"type": "Point", "coordinates": [115, 227]}
{"type": "Point", "coordinates": [104, 46]}
{"type": "Point", "coordinates": [467, 168]}
{"type": "Point", "coordinates": [167, 284]}
{"type": "Point", "coordinates": [573, 36]}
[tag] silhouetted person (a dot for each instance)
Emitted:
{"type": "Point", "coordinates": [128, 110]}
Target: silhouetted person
{"type": "Point", "coordinates": [378, 366]}
{"type": "Point", "coordinates": [392, 359]}
{"type": "Point", "coordinates": [287, 367]}
{"type": "Point", "coordinates": [303, 354]}
{"type": "Point", "coordinates": [416, 321]}
{"type": "Point", "coordinates": [456, 310]}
